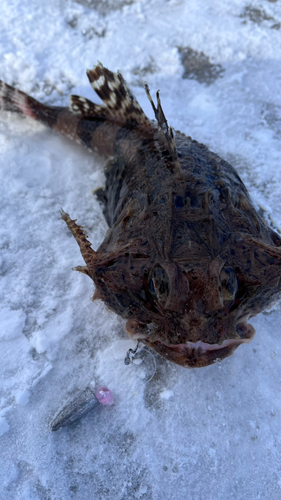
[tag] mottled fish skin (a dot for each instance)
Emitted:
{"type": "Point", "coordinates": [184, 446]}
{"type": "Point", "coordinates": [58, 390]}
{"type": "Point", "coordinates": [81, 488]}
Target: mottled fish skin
{"type": "Point", "coordinates": [186, 260]}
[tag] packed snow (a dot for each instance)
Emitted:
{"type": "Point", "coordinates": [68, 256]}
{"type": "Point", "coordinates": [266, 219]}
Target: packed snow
{"type": "Point", "coordinates": [212, 433]}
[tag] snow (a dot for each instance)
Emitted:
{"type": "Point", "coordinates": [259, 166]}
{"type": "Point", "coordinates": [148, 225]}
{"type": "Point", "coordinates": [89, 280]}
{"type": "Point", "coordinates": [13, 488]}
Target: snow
{"type": "Point", "coordinates": [212, 433]}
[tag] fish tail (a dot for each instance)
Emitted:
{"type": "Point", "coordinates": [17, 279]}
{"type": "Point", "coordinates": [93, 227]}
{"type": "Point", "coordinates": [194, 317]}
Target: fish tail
{"type": "Point", "coordinates": [84, 122]}
{"type": "Point", "coordinates": [16, 101]}
{"type": "Point", "coordinates": [98, 127]}
{"type": "Point", "coordinates": [61, 119]}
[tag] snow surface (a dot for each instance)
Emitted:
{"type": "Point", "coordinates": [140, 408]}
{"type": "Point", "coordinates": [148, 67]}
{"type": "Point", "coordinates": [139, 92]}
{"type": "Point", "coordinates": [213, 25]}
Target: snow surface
{"type": "Point", "coordinates": [212, 433]}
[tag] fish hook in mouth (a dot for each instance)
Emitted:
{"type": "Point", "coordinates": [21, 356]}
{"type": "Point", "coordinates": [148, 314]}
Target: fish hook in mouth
{"type": "Point", "coordinates": [131, 353]}
{"type": "Point", "coordinates": [192, 354]}
{"type": "Point", "coordinates": [200, 354]}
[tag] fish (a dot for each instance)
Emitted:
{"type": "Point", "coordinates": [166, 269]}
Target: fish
{"type": "Point", "coordinates": [186, 260]}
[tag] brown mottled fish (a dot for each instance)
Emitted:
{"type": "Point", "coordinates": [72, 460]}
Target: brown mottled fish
{"type": "Point", "coordinates": [187, 260]}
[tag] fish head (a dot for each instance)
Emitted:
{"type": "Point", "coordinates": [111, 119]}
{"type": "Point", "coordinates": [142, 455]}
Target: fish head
{"type": "Point", "coordinates": [192, 317]}
{"type": "Point", "coordinates": [202, 314]}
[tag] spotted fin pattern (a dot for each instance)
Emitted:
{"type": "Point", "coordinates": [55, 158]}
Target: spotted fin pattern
{"type": "Point", "coordinates": [82, 106]}
{"type": "Point", "coordinates": [122, 106]}
{"type": "Point", "coordinates": [120, 103]}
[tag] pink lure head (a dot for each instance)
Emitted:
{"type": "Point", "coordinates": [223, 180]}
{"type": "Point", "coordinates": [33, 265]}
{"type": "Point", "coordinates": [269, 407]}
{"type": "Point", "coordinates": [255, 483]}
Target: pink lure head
{"type": "Point", "coordinates": [105, 396]}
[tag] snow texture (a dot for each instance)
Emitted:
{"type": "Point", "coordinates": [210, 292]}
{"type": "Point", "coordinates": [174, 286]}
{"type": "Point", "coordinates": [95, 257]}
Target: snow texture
{"type": "Point", "coordinates": [172, 433]}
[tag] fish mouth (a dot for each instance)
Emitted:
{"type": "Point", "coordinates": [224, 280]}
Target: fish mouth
{"type": "Point", "coordinates": [198, 354]}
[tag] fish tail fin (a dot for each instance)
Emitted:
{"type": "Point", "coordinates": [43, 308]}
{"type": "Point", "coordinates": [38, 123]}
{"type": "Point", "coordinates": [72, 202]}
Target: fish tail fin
{"type": "Point", "coordinates": [16, 101]}
{"type": "Point", "coordinates": [60, 119]}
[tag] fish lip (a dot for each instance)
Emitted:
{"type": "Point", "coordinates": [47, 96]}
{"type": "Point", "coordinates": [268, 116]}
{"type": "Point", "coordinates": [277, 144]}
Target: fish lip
{"type": "Point", "coordinates": [200, 354]}
{"type": "Point", "coordinates": [192, 354]}
{"type": "Point", "coordinates": [247, 329]}
{"type": "Point", "coordinates": [204, 346]}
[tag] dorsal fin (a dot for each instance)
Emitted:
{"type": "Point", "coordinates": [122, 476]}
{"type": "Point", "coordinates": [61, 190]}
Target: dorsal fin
{"type": "Point", "coordinates": [82, 106]}
{"type": "Point", "coordinates": [122, 107]}
{"type": "Point", "coordinates": [166, 135]}
{"type": "Point", "coordinates": [120, 104]}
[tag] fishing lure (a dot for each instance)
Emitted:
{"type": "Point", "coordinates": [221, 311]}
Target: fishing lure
{"type": "Point", "coordinates": [82, 404]}
{"type": "Point", "coordinates": [187, 260]}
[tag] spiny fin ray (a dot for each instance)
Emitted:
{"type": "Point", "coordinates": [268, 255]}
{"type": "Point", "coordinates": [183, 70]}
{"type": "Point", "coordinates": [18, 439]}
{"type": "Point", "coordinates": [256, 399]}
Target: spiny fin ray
{"type": "Point", "coordinates": [87, 252]}
{"type": "Point", "coordinates": [81, 269]}
{"type": "Point", "coordinates": [166, 135]}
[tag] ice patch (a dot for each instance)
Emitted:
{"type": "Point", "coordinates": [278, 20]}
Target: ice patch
{"type": "Point", "coordinates": [11, 323]}
{"type": "Point", "coordinates": [4, 426]}
{"type": "Point", "coordinates": [167, 394]}
{"type": "Point", "coordinates": [46, 340]}
{"type": "Point", "coordinates": [119, 348]}
{"type": "Point", "coordinates": [23, 398]}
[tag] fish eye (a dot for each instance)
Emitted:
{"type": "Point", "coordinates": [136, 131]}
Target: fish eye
{"type": "Point", "coordinates": [229, 283]}
{"type": "Point", "coordinates": [159, 284]}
